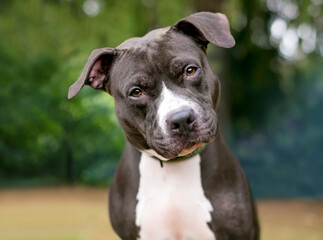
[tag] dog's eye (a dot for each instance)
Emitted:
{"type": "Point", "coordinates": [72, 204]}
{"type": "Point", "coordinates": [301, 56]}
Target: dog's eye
{"type": "Point", "coordinates": [136, 93]}
{"type": "Point", "coordinates": [190, 71]}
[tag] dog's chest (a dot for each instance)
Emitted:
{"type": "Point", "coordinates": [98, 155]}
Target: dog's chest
{"type": "Point", "coordinates": [171, 202]}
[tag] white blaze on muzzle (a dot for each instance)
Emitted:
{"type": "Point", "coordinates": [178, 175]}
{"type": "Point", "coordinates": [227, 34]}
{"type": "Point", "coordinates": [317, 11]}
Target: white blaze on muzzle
{"type": "Point", "coordinates": [170, 103]}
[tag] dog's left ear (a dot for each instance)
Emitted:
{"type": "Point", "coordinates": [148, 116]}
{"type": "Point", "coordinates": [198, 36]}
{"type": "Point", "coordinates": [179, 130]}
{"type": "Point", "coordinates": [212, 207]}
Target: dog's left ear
{"type": "Point", "coordinates": [207, 27]}
{"type": "Point", "coordinates": [95, 72]}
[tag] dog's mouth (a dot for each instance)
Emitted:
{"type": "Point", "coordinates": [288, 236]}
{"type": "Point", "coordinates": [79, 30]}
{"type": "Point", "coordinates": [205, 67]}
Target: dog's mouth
{"type": "Point", "coordinates": [189, 148]}
{"type": "Point", "coordinates": [181, 149]}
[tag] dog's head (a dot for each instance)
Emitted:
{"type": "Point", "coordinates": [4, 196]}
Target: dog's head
{"type": "Point", "coordinates": [164, 89]}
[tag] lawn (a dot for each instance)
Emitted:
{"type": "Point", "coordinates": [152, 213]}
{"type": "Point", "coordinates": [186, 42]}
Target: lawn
{"type": "Point", "coordinates": [81, 214]}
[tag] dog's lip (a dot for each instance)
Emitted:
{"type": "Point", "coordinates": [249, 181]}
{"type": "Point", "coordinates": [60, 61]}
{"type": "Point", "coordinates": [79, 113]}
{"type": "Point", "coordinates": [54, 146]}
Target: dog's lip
{"type": "Point", "coordinates": [189, 148]}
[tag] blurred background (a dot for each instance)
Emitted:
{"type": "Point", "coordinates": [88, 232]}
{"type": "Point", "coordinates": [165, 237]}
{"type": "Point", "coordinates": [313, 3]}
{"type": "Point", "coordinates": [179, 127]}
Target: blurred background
{"type": "Point", "coordinates": [272, 93]}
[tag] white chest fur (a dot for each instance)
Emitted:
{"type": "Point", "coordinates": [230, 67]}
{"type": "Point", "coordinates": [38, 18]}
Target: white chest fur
{"type": "Point", "coordinates": [171, 202]}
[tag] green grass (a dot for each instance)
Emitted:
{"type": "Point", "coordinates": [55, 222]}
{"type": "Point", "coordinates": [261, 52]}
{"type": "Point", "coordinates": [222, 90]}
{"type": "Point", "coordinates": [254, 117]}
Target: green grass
{"type": "Point", "coordinates": [81, 214]}
{"type": "Point", "coordinates": [54, 214]}
{"type": "Point", "coordinates": [291, 220]}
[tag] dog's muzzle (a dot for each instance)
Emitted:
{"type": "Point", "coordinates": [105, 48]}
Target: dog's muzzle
{"type": "Point", "coordinates": [185, 131]}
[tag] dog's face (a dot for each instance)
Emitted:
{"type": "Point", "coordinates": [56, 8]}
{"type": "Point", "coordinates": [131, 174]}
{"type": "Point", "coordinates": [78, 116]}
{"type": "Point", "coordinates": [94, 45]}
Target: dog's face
{"type": "Point", "coordinates": [164, 89]}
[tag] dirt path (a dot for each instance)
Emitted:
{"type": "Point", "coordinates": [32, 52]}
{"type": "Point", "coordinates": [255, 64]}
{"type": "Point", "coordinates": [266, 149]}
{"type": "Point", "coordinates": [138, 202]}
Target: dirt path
{"type": "Point", "coordinates": [81, 214]}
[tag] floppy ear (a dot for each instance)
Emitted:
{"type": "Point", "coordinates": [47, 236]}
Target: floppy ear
{"type": "Point", "coordinates": [95, 72]}
{"type": "Point", "coordinates": [207, 27]}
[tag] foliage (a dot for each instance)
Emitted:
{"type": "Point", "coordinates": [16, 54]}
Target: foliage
{"type": "Point", "coordinates": [285, 154]}
{"type": "Point", "coordinates": [41, 132]}
{"type": "Point", "coordinates": [275, 88]}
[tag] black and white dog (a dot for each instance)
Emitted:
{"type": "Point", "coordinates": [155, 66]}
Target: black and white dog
{"type": "Point", "coordinates": [177, 179]}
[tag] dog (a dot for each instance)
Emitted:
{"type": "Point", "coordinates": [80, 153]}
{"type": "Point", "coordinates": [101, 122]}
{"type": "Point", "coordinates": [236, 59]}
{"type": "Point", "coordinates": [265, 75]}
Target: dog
{"type": "Point", "coordinates": [177, 179]}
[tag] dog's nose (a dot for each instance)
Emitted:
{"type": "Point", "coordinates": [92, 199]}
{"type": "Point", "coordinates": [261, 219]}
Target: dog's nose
{"type": "Point", "coordinates": [181, 121]}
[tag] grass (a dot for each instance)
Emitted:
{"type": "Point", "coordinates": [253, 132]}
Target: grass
{"type": "Point", "coordinates": [81, 214]}
{"type": "Point", "coordinates": [54, 214]}
{"type": "Point", "coordinates": [291, 220]}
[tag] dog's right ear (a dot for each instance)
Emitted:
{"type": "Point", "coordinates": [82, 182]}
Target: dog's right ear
{"type": "Point", "coordinates": [95, 72]}
{"type": "Point", "coordinates": [207, 27]}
